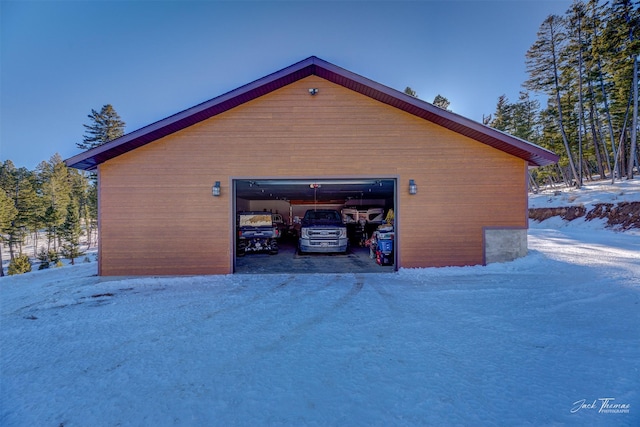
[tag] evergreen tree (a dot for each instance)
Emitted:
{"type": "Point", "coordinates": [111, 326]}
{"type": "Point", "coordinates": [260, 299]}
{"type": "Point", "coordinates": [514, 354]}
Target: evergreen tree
{"type": "Point", "coordinates": [502, 117]}
{"type": "Point", "coordinates": [8, 212]}
{"type": "Point", "coordinates": [519, 119]}
{"type": "Point", "coordinates": [71, 231]}
{"type": "Point", "coordinates": [525, 118]}
{"type": "Point", "coordinates": [574, 50]}
{"type": "Point", "coordinates": [595, 132]}
{"type": "Point", "coordinates": [622, 47]}
{"type": "Point", "coordinates": [84, 194]}
{"type": "Point", "coordinates": [599, 93]}
{"type": "Point", "coordinates": [56, 194]}
{"type": "Point", "coordinates": [20, 186]}
{"type": "Point", "coordinates": [105, 126]}
{"type": "Point", "coordinates": [410, 92]}
{"type": "Point", "coordinates": [441, 102]}
{"type": "Point", "coordinates": [19, 265]}
{"type": "Point", "coordinates": [633, 159]}
{"type": "Point", "coordinates": [543, 61]}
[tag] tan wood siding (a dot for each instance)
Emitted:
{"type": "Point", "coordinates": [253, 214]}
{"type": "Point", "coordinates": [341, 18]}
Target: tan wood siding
{"type": "Point", "coordinates": [157, 214]}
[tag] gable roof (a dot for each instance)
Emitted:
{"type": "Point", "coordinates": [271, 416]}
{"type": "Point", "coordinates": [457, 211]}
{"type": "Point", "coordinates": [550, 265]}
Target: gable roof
{"type": "Point", "coordinates": [534, 154]}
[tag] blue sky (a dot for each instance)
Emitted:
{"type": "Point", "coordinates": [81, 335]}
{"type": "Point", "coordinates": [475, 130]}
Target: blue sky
{"type": "Point", "coordinates": [151, 59]}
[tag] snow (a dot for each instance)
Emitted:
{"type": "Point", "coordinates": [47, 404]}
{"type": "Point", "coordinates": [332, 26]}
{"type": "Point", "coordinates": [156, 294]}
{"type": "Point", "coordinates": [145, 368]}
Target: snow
{"type": "Point", "coordinates": [588, 196]}
{"type": "Point", "coordinates": [543, 340]}
{"type": "Point", "coordinates": [590, 193]}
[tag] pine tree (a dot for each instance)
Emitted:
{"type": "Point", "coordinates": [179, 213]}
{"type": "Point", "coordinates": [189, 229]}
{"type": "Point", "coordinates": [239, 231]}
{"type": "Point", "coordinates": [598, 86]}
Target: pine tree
{"type": "Point", "coordinates": [598, 89]}
{"type": "Point", "coordinates": [20, 186]}
{"type": "Point", "coordinates": [525, 118]}
{"type": "Point", "coordinates": [621, 47]}
{"type": "Point", "coordinates": [410, 92]}
{"type": "Point", "coordinates": [543, 61]}
{"type": "Point", "coordinates": [8, 212]}
{"type": "Point", "coordinates": [105, 126]}
{"type": "Point", "coordinates": [575, 48]}
{"type": "Point", "coordinates": [56, 194]}
{"type": "Point", "coordinates": [519, 119]}
{"type": "Point", "coordinates": [441, 102]}
{"type": "Point", "coordinates": [71, 231]}
{"type": "Point", "coordinates": [501, 117]}
{"type": "Point", "coordinates": [84, 193]}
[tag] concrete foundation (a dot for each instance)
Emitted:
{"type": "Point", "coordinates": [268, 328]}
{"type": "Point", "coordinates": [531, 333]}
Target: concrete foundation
{"type": "Point", "coordinates": [504, 244]}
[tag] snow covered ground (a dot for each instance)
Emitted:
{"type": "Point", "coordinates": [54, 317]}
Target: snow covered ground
{"type": "Point", "coordinates": [590, 193]}
{"type": "Point", "coordinates": [544, 340]}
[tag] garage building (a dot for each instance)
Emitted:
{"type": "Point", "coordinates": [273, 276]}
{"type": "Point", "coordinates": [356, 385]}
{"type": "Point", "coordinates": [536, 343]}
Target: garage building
{"type": "Point", "coordinates": [310, 135]}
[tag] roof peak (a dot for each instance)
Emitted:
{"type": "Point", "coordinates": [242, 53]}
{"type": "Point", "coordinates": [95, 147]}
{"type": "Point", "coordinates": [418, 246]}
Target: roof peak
{"type": "Point", "coordinates": [313, 65]}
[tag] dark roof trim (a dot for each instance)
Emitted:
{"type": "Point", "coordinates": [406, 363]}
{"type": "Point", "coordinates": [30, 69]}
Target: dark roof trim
{"type": "Point", "coordinates": [535, 155]}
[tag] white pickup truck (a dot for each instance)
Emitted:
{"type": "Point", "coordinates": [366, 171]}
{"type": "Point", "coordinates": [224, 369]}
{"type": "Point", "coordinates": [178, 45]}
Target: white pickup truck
{"type": "Point", "coordinates": [322, 230]}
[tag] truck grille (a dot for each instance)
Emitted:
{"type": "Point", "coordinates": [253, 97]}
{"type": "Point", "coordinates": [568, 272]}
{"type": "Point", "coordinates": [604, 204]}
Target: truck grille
{"type": "Point", "coordinates": [324, 234]}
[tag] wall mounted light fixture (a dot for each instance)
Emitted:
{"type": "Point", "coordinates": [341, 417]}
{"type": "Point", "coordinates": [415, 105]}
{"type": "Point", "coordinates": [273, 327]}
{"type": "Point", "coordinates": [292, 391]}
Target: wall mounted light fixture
{"type": "Point", "coordinates": [216, 189]}
{"type": "Point", "coordinates": [413, 188]}
{"type": "Point", "coordinates": [313, 91]}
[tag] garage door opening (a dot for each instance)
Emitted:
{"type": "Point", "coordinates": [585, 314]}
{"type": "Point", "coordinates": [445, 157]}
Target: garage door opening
{"type": "Point", "coordinates": [364, 209]}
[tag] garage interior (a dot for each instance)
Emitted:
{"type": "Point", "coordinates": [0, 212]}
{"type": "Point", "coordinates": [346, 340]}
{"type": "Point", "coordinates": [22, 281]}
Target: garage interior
{"type": "Point", "coordinates": [363, 203]}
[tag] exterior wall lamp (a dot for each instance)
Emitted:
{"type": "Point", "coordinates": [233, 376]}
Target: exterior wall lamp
{"type": "Point", "coordinates": [216, 189]}
{"type": "Point", "coordinates": [413, 188]}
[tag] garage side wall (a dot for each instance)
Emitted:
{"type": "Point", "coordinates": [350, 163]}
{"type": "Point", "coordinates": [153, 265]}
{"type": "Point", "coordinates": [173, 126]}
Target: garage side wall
{"type": "Point", "coordinates": [158, 216]}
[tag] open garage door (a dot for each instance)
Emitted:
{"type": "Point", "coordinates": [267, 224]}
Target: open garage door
{"type": "Point", "coordinates": [364, 206]}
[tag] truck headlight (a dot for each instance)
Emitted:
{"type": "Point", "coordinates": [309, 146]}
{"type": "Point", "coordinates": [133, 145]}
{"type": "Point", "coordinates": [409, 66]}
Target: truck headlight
{"type": "Point", "coordinates": [343, 233]}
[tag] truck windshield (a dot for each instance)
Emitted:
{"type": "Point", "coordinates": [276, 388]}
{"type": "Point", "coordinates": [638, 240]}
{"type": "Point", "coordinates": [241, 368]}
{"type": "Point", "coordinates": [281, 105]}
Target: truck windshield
{"type": "Point", "coordinates": [322, 216]}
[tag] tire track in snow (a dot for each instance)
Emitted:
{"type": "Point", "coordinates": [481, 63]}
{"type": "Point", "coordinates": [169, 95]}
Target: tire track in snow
{"type": "Point", "coordinates": [299, 292]}
{"type": "Point", "coordinates": [302, 328]}
{"type": "Point", "coordinates": [252, 300]}
{"type": "Point", "coordinates": [387, 297]}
